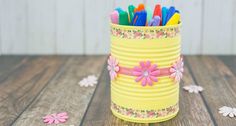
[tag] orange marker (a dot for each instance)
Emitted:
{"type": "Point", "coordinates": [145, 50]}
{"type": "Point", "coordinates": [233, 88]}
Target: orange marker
{"type": "Point", "coordinates": [139, 8]}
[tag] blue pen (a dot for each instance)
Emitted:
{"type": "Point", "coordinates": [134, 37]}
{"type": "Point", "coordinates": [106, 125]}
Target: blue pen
{"type": "Point", "coordinates": [177, 11]}
{"type": "Point", "coordinates": [170, 13]}
{"type": "Point", "coordinates": [119, 9]}
{"type": "Point", "coordinates": [140, 18]}
{"type": "Point", "coordinates": [164, 14]}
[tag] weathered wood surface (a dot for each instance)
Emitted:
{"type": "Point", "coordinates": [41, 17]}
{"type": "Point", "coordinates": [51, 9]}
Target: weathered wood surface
{"type": "Point", "coordinates": [21, 81]}
{"type": "Point", "coordinates": [33, 86]}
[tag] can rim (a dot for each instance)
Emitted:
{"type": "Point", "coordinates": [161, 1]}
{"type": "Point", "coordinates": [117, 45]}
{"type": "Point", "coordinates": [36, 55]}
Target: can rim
{"type": "Point", "coordinates": [144, 27]}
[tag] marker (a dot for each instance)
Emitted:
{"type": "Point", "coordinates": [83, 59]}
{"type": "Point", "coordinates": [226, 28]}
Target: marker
{"type": "Point", "coordinates": [131, 12]}
{"type": "Point", "coordinates": [170, 13]}
{"type": "Point", "coordinates": [139, 8]}
{"type": "Point", "coordinates": [123, 18]}
{"type": "Point", "coordinates": [155, 21]}
{"type": "Point", "coordinates": [174, 19]}
{"type": "Point", "coordinates": [149, 14]}
{"type": "Point", "coordinates": [115, 17]}
{"type": "Point", "coordinates": [140, 18]}
{"type": "Point", "coordinates": [157, 11]}
{"type": "Point", "coordinates": [164, 14]}
{"type": "Point", "coordinates": [119, 9]}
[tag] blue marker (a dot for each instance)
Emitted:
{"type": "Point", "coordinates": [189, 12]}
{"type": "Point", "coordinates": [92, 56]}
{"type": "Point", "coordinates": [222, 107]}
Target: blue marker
{"type": "Point", "coordinates": [170, 13]}
{"type": "Point", "coordinates": [119, 9]}
{"type": "Point", "coordinates": [164, 14]}
{"type": "Point", "coordinates": [140, 18]}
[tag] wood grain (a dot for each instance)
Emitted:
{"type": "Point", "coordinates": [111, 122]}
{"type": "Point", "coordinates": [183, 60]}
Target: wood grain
{"type": "Point", "coordinates": [63, 93]}
{"type": "Point", "coordinates": [33, 86]}
{"type": "Point", "coordinates": [41, 26]}
{"type": "Point", "coordinates": [21, 84]}
{"type": "Point", "coordinates": [69, 27]}
{"type": "Point", "coordinates": [13, 27]}
{"type": "Point", "coordinates": [97, 26]}
{"type": "Point", "coordinates": [230, 61]}
{"type": "Point", "coordinates": [192, 109]}
{"type": "Point", "coordinates": [212, 38]}
{"type": "Point", "coordinates": [219, 84]}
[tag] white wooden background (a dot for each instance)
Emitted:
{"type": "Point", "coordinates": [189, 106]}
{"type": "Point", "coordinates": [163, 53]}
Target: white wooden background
{"type": "Point", "coordinates": [82, 26]}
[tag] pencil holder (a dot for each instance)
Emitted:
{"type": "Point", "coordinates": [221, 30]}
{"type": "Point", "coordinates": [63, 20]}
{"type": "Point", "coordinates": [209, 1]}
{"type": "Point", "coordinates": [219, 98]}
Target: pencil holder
{"type": "Point", "coordinates": [145, 68]}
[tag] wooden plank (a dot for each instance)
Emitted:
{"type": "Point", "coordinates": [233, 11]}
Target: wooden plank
{"type": "Point", "coordinates": [41, 27]}
{"type": "Point", "coordinates": [230, 61]}
{"type": "Point", "coordinates": [70, 26]}
{"type": "Point", "coordinates": [97, 33]}
{"type": "Point", "coordinates": [217, 30]}
{"type": "Point", "coordinates": [191, 29]}
{"type": "Point", "coordinates": [63, 93]}
{"type": "Point", "coordinates": [13, 27]}
{"type": "Point", "coordinates": [192, 108]}
{"type": "Point", "coordinates": [10, 63]}
{"type": "Point", "coordinates": [19, 88]}
{"type": "Point", "coordinates": [219, 84]}
{"type": "Point", "coordinates": [234, 29]}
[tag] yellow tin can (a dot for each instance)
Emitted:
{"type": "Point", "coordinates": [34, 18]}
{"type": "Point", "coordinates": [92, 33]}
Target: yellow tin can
{"type": "Point", "coordinates": [144, 98]}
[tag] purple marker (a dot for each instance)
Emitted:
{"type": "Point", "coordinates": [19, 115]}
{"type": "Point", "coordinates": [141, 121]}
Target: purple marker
{"type": "Point", "coordinates": [155, 21]}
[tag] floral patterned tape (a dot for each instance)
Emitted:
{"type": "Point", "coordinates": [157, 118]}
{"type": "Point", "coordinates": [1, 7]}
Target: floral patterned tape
{"type": "Point", "coordinates": [146, 73]}
{"type": "Point", "coordinates": [145, 34]}
{"type": "Point", "coordinates": [144, 113]}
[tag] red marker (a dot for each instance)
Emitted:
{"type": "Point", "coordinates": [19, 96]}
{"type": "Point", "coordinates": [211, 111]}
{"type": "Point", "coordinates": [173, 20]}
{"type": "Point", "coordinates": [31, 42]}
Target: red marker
{"type": "Point", "coordinates": [157, 11]}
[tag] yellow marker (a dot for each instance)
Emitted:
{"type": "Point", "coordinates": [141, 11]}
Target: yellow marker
{"type": "Point", "coordinates": [174, 19]}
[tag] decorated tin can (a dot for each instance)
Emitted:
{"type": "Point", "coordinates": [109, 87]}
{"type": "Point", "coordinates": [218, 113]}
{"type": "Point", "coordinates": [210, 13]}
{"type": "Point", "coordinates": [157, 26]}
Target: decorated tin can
{"type": "Point", "coordinates": [145, 67]}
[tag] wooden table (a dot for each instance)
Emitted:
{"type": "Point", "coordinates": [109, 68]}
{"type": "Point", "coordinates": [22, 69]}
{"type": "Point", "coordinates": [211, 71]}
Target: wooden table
{"type": "Point", "coordinates": [33, 86]}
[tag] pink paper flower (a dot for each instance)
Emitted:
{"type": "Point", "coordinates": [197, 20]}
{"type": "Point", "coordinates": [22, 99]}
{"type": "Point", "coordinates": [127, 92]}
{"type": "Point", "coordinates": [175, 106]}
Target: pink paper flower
{"type": "Point", "coordinates": [146, 73]}
{"type": "Point", "coordinates": [55, 118]}
{"type": "Point", "coordinates": [113, 67]}
{"type": "Point", "coordinates": [177, 70]}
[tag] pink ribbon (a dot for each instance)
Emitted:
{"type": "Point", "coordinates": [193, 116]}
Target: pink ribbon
{"type": "Point", "coordinates": [129, 71]}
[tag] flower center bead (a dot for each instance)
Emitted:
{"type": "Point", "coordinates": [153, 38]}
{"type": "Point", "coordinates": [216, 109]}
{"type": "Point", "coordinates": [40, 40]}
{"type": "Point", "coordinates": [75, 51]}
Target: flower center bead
{"type": "Point", "coordinates": [145, 73]}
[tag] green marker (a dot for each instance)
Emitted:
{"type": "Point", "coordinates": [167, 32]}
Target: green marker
{"type": "Point", "coordinates": [131, 12]}
{"type": "Point", "coordinates": [149, 14]}
{"type": "Point", "coordinates": [123, 18]}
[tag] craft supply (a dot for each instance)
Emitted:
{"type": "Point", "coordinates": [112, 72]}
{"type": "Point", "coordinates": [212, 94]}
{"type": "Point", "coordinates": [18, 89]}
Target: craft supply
{"type": "Point", "coordinates": [140, 18]}
{"type": "Point", "coordinates": [145, 16]}
{"type": "Point", "coordinates": [115, 17]}
{"type": "Point", "coordinates": [149, 13]}
{"type": "Point", "coordinates": [131, 12]}
{"type": "Point", "coordinates": [164, 14]}
{"type": "Point", "coordinates": [157, 10]}
{"type": "Point", "coordinates": [155, 21]}
{"type": "Point", "coordinates": [174, 19]}
{"type": "Point", "coordinates": [123, 18]}
{"type": "Point", "coordinates": [170, 13]}
{"type": "Point", "coordinates": [139, 8]}
{"type": "Point", "coordinates": [119, 9]}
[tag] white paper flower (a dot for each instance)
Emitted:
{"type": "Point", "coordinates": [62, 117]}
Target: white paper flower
{"type": "Point", "coordinates": [193, 88]}
{"type": "Point", "coordinates": [228, 111]}
{"type": "Point", "coordinates": [91, 80]}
